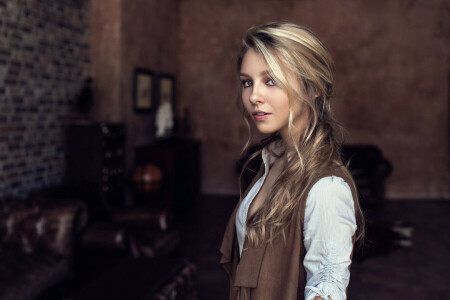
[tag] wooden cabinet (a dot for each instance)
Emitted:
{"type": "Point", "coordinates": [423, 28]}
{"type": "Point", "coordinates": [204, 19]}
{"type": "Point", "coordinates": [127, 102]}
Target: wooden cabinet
{"type": "Point", "coordinates": [95, 156]}
{"type": "Point", "coordinates": [179, 160]}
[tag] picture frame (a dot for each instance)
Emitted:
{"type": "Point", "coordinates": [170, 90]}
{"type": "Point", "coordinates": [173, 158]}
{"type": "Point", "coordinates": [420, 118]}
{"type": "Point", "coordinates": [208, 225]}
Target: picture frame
{"type": "Point", "coordinates": [143, 91]}
{"type": "Point", "coordinates": [166, 89]}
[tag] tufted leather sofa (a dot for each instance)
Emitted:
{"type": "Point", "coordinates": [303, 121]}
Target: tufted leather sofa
{"type": "Point", "coordinates": [36, 244]}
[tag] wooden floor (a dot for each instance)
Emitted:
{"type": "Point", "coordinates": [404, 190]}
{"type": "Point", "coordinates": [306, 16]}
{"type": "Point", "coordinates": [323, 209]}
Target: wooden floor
{"type": "Point", "coordinates": [418, 268]}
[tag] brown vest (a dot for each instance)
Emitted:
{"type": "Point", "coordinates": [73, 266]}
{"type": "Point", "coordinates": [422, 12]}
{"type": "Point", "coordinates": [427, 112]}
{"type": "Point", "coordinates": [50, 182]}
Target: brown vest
{"type": "Point", "coordinates": [270, 271]}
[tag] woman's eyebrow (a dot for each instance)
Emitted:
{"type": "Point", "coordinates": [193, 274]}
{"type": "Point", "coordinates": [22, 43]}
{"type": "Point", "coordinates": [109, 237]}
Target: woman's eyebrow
{"type": "Point", "coordinates": [265, 73]}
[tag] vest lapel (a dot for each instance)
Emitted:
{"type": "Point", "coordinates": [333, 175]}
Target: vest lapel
{"type": "Point", "coordinates": [229, 244]}
{"type": "Point", "coordinates": [230, 248]}
{"type": "Point", "coordinates": [247, 273]}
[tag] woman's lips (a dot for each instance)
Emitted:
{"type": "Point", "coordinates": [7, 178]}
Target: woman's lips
{"type": "Point", "coordinates": [260, 117]}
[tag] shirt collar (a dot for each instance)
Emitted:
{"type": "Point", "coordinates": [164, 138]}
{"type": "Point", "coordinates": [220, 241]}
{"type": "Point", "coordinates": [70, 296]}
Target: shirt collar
{"type": "Point", "coordinates": [269, 152]}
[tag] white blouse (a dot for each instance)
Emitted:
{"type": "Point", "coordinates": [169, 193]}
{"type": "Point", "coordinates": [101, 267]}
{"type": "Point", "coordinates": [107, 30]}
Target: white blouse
{"type": "Point", "coordinates": [327, 230]}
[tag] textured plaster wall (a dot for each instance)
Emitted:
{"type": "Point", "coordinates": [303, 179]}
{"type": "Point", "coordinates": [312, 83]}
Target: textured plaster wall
{"type": "Point", "coordinates": [391, 90]}
{"type": "Point", "coordinates": [105, 59]}
{"type": "Point", "coordinates": [128, 35]}
{"type": "Point", "coordinates": [148, 41]}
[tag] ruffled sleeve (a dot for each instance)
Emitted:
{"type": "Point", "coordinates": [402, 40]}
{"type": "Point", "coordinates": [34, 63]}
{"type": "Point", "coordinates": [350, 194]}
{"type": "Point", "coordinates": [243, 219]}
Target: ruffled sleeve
{"type": "Point", "coordinates": [328, 229]}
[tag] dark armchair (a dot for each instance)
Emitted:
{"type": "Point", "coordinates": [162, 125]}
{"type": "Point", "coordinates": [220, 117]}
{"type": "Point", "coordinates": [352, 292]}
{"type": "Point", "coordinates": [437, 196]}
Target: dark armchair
{"type": "Point", "coordinates": [366, 163]}
{"type": "Point", "coordinates": [369, 170]}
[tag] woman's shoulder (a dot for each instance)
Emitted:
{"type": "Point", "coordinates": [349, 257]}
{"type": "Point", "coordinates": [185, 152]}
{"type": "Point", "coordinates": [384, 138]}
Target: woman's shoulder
{"type": "Point", "coordinates": [329, 184]}
{"type": "Point", "coordinates": [332, 176]}
{"type": "Point", "coordinates": [330, 192]}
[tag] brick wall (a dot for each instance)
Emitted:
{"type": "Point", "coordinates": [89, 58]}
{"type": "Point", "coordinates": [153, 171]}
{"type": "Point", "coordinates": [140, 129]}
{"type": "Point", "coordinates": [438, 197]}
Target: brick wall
{"type": "Point", "coordinates": [44, 58]}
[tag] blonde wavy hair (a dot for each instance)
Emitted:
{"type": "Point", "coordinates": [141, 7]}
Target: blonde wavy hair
{"type": "Point", "coordinates": [290, 49]}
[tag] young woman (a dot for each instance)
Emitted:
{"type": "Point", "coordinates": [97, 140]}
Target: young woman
{"type": "Point", "coordinates": [292, 233]}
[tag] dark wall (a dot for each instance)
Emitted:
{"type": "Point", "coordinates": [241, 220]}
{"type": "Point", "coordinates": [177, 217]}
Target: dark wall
{"type": "Point", "coordinates": [391, 90]}
{"type": "Point", "coordinates": [392, 79]}
{"type": "Point", "coordinates": [44, 58]}
{"type": "Point", "coordinates": [105, 41]}
{"type": "Point", "coordinates": [128, 35]}
{"type": "Point", "coordinates": [148, 41]}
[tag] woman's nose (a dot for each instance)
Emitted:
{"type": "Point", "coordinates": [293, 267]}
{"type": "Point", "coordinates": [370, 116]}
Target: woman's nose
{"type": "Point", "coordinates": [256, 97]}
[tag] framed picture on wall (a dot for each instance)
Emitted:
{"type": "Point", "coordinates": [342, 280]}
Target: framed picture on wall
{"type": "Point", "coordinates": [166, 89]}
{"type": "Point", "coordinates": [143, 91]}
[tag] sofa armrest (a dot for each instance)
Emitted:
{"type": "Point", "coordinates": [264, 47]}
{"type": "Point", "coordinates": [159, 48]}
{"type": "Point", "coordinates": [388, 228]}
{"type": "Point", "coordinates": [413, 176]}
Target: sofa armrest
{"type": "Point", "coordinates": [48, 229]}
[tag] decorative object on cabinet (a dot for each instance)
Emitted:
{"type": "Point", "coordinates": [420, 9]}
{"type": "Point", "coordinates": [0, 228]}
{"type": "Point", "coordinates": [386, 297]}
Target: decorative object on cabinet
{"type": "Point", "coordinates": [164, 121]}
{"type": "Point", "coordinates": [85, 100]}
{"type": "Point", "coordinates": [143, 92]}
{"type": "Point", "coordinates": [147, 178]}
{"type": "Point", "coordinates": [165, 116]}
{"type": "Point", "coordinates": [179, 160]}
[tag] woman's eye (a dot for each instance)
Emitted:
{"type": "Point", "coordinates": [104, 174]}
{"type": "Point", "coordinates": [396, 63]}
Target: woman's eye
{"type": "Point", "coordinates": [271, 82]}
{"type": "Point", "coordinates": [246, 83]}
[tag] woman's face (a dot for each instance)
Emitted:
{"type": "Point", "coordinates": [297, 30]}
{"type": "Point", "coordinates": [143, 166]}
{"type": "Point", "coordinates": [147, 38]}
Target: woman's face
{"type": "Point", "coordinates": [264, 100]}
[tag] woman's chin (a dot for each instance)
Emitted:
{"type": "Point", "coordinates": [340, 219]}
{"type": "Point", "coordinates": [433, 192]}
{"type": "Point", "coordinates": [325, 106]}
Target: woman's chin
{"type": "Point", "coordinates": [265, 130]}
